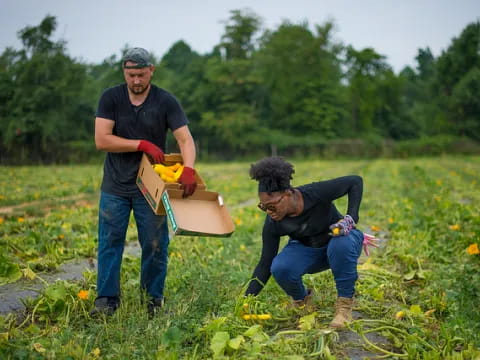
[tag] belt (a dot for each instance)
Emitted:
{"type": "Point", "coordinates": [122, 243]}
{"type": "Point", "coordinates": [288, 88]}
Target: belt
{"type": "Point", "coordinates": [315, 243]}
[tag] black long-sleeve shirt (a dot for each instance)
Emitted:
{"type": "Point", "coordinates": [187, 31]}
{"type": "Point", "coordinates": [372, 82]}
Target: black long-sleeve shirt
{"type": "Point", "coordinates": [311, 227]}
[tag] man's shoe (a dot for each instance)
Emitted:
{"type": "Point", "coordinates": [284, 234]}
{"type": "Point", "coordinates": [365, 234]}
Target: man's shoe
{"type": "Point", "coordinates": [105, 305]}
{"type": "Point", "coordinates": [154, 306]}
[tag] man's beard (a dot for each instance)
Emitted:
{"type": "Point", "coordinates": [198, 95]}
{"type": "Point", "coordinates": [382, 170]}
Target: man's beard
{"type": "Point", "coordinates": [139, 89]}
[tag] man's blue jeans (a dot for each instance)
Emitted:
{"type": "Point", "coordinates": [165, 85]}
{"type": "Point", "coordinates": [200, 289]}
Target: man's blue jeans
{"type": "Point", "coordinates": [340, 254]}
{"type": "Point", "coordinates": [114, 215]}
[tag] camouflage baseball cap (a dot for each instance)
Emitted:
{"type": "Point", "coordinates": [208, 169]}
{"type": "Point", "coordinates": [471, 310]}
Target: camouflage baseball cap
{"type": "Point", "coordinates": [137, 55]}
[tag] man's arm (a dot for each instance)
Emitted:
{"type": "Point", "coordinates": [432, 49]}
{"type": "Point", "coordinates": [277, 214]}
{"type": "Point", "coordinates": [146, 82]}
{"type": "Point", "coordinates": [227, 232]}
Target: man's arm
{"type": "Point", "coordinates": [186, 144]}
{"type": "Point", "coordinates": [106, 141]}
{"type": "Point", "coordinates": [187, 148]}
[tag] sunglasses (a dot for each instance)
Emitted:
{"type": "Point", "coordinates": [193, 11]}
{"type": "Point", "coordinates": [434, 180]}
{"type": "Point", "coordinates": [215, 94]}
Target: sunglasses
{"type": "Point", "coordinates": [271, 206]}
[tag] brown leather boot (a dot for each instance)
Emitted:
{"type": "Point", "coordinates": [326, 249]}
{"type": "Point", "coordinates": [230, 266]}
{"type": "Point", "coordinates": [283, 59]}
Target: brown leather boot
{"type": "Point", "coordinates": [343, 312]}
{"type": "Point", "coordinates": [305, 303]}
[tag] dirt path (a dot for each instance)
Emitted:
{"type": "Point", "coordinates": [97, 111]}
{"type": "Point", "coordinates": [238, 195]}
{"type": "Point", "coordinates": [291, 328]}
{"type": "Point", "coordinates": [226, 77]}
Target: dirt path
{"type": "Point", "coordinates": [44, 204]}
{"type": "Point", "coordinates": [11, 295]}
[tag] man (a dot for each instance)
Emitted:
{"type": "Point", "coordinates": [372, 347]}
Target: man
{"type": "Point", "coordinates": [131, 119]}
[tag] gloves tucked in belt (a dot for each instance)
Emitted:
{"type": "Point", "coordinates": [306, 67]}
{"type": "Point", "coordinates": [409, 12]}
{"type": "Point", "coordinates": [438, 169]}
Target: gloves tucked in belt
{"type": "Point", "coordinates": [343, 226]}
{"type": "Point", "coordinates": [153, 150]}
{"type": "Point", "coordinates": [188, 181]}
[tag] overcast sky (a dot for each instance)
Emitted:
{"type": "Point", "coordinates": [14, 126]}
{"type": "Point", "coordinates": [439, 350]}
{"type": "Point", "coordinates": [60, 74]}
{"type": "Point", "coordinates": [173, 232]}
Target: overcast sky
{"type": "Point", "coordinates": [95, 30]}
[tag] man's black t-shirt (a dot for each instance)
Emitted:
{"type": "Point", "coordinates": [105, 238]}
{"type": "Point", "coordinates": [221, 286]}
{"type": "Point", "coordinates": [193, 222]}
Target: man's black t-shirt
{"type": "Point", "coordinates": [311, 227]}
{"type": "Point", "coordinates": [150, 121]}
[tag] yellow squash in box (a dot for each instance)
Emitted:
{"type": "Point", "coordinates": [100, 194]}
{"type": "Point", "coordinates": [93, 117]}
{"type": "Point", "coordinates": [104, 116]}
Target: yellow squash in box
{"type": "Point", "coordinates": [169, 174]}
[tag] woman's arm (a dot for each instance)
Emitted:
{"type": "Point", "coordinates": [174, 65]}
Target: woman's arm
{"type": "Point", "coordinates": [355, 193]}
{"type": "Point", "coordinates": [330, 190]}
{"type": "Point", "coordinates": [261, 274]}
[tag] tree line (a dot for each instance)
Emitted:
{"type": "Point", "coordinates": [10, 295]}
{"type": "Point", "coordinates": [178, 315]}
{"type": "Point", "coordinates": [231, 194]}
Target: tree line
{"type": "Point", "coordinates": [288, 90]}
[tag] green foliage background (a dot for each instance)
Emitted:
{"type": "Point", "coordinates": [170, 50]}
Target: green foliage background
{"type": "Point", "coordinates": [288, 90]}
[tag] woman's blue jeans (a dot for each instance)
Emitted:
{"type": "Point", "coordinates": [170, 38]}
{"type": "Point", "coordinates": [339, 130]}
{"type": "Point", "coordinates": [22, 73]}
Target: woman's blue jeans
{"type": "Point", "coordinates": [340, 254]}
{"type": "Point", "coordinates": [114, 216]}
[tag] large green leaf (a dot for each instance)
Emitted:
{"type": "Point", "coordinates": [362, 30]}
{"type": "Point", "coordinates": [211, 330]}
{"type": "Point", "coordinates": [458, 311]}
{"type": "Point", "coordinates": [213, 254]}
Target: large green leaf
{"type": "Point", "coordinates": [172, 337]}
{"type": "Point", "coordinates": [219, 343]}
{"type": "Point", "coordinates": [236, 342]}
{"type": "Point", "coordinates": [9, 272]}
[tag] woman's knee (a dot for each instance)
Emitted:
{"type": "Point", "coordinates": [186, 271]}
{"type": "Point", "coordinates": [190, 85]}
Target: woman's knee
{"type": "Point", "coordinates": [279, 269]}
{"type": "Point", "coordinates": [284, 271]}
{"type": "Point", "coordinates": [344, 247]}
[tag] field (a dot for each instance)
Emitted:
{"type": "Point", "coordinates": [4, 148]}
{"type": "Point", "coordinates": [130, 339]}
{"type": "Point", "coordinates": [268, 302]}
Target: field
{"type": "Point", "coordinates": [417, 296]}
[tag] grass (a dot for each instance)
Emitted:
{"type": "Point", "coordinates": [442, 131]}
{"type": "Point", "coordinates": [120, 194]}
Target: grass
{"type": "Point", "coordinates": [419, 291]}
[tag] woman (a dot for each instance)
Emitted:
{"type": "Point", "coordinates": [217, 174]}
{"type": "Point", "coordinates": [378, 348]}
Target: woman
{"type": "Point", "coordinates": [308, 216]}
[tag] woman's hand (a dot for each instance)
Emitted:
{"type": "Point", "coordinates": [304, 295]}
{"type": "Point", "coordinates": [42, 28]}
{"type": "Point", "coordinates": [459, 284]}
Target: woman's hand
{"type": "Point", "coordinates": [343, 226]}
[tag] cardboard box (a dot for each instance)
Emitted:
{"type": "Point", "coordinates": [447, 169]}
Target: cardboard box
{"type": "Point", "coordinates": [202, 214]}
{"type": "Point", "coordinates": [152, 186]}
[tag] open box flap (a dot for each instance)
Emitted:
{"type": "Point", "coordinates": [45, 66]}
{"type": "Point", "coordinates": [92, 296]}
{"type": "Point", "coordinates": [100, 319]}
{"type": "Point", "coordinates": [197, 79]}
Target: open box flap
{"type": "Point", "coordinates": [203, 213]}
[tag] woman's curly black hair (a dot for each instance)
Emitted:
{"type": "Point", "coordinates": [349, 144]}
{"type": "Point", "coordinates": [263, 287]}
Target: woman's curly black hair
{"type": "Point", "coordinates": [272, 173]}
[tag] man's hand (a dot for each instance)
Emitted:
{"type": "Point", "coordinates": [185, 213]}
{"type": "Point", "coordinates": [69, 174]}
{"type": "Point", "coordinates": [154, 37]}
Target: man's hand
{"type": "Point", "coordinates": [153, 150]}
{"type": "Point", "coordinates": [188, 181]}
{"type": "Point", "coordinates": [343, 226]}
